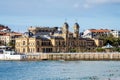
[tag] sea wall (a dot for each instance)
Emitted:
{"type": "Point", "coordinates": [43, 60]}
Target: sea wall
{"type": "Point", "coordinates": [72, 56]}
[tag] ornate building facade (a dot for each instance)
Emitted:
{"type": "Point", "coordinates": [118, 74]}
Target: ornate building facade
{"type": "Point", "coordinates": [46, 40]}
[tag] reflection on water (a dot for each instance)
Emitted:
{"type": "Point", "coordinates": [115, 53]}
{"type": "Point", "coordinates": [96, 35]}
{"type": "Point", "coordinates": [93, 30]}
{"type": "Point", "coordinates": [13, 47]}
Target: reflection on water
{"type": "Point", "coordinates": [59, 70]}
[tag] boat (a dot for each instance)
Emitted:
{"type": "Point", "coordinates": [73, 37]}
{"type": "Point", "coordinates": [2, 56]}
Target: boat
{"type": "Point", "coordinates": [8, 54]}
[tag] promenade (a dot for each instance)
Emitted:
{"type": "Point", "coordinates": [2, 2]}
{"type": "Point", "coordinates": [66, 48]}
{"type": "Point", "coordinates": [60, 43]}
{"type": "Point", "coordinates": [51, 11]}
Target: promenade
{"type": "Point", "coordinates": [73, 56]}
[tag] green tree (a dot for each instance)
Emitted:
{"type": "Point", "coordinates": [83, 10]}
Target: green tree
{"type": "Point", "coordinates": [111, 39]}
{"type": "Point", "coordinates": [1, 43]}
{"type": "Point", "coordinates": [100, 50]}
{"type": "Point", "coordinates": [12, 44]}
{"type": "Point", "coordinates": [115, 42]}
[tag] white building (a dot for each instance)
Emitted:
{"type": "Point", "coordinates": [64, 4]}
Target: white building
{"type": "Point", "coordinates": [115, 33]}
{"type": "Point", "coordinates": [95, 33]}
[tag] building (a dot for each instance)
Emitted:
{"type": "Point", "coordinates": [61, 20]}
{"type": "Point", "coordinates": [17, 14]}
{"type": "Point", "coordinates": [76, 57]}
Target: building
{"type": "Point", "coordinates": [57, 39]}
{"type": "Point", "coordinates": [42, 30]}
{"type": "Point", "coordinates": [4, 28]}
{"type": "Point", "coordinates": [115, 33]}
{"type": "Point", "coordinates": [7, 37]}
{"type": "Point", "coordinates": [96, 33]}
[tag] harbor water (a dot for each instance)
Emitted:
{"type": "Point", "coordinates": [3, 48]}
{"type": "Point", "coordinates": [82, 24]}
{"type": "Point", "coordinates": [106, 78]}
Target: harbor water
{"type": "Point", "coordinates": [60, 70]}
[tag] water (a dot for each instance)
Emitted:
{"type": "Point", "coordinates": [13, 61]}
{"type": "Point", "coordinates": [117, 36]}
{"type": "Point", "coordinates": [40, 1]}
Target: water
{"type": "Point", "coordinates": [59, 70]}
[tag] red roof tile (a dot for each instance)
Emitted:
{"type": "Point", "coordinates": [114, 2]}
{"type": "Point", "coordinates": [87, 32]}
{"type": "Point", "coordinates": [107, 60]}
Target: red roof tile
{"type": "Point", "coordinates": [99, 30]}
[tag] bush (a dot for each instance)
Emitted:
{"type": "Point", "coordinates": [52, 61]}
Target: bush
{"type": "Point", "coordinates": [100, 50]}
{"type": "Point", "coordinates": [117, 49]}
{"type": "Point", "coordinates": [72, 50]}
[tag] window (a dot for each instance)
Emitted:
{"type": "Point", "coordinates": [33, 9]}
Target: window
{"type": "Point", "coordinates": [37, 42]}
{"type": "Point", "coordinates": [38, 50]}
{"type": "Point", "coordinates": [23, 42]}
{"type": "Point", "coordinates": [23, 49]}
{"type": "Point", "coordinates": [49, 44]}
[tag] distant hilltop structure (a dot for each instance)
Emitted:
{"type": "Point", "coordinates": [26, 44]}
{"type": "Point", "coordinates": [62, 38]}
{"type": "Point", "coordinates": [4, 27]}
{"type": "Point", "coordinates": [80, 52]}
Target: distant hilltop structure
{"type": "Point", "coordinates": [55, 39]}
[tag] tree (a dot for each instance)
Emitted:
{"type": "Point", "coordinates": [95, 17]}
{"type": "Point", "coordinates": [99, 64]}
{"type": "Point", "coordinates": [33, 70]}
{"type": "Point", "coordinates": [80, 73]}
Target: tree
{"type": "Point", "coordinates": [12, 44]}
{"type": "Point", "coordinates": [1, 43]}
{"type": "Point", "coordinates": [115, 42]}
{"type": "Point", "coordinates": [111, 39]}
{"type": "Point", "coordinates": [100, 50]}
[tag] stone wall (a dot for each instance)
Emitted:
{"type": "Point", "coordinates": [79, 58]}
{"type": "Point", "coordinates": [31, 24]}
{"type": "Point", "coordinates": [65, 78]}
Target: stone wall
{"type": "Point", "coordinates": [73, 56]}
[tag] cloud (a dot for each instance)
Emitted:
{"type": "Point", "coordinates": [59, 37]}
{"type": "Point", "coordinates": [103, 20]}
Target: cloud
{"type": "Point", "coordinates": [91, 3]}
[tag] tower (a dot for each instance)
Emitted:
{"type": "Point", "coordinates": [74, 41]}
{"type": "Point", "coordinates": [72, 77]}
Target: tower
{"type": "Point", "coordinates": [65, 35]}
{"type": "Point", "coordinates": [65, 30]}
{"type": "Point", "coordinates": [76, 30]}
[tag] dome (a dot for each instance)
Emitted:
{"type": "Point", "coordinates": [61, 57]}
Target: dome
{"type": "Point", "coordinates": [76, 25]}
{"type": "Point", "coordinates": [66, 25]}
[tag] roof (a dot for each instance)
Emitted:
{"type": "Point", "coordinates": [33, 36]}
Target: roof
{"type": "Point", "coordinates": [4, 27]}
{"type": "Point", "coordinates": [2, 33]}
{"type": "Point", "coordinates": [17, 33]}
{"type": "Point", "coordinates": [11, 34]}
{"type": "Point", "coordinates": [58, 32]}
{"type": "Point", "coordinates": [43, 33]}
{"type": "Point", "coordinates": [6, 34]}
{"type": "Point", "coordinates": [99, 30]}
{"type": "Point", "coordinates": [57, 37]}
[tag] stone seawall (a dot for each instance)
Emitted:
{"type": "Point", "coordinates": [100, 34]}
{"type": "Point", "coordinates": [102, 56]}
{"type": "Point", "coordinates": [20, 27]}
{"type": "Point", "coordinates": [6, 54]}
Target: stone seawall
{"type": "Point", "coordinates": [73, 56]}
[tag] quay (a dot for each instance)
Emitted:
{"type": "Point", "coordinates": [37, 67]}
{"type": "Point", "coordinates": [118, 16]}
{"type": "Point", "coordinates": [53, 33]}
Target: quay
{"type": "Point", "coordinates": [73, 56]}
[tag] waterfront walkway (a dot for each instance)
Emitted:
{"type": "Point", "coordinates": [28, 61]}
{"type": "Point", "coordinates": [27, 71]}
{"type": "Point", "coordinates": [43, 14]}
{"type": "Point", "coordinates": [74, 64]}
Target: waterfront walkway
{"type": "Point", "coordinates": [73, 56]}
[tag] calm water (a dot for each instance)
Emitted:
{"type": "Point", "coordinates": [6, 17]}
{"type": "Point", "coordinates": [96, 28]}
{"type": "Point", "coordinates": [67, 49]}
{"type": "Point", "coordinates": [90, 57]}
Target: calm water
{"type": "Point", "coordinates": [59, 70]}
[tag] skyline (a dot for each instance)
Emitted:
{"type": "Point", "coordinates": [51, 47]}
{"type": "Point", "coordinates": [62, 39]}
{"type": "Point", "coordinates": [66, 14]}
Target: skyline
{"type": "Point", "coordinates": [19, 15]}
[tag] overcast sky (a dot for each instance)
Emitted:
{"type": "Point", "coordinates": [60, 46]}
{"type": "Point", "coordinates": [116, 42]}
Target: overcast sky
{"type": "Point", "coordinates": [20, 14]}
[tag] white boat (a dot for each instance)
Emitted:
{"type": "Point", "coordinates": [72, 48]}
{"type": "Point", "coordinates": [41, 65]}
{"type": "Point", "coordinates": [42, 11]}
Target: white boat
{"type": "Point", "coordinates": [10, 55]}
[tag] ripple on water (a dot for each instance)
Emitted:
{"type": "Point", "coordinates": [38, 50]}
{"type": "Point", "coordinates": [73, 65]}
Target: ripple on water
{"type": "Point", "coordinates": [56, 70]}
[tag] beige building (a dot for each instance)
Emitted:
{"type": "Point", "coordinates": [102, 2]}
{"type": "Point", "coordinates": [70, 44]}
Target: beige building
{"type": "Point", "coordinates": [7, 37]}
{"type": "Point", "coordinates": [45, 40]}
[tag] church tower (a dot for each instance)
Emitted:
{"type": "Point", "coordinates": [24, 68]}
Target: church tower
{"type": "Point", "coordinates": [65, 30]}
{"type": "Point", "coordinates": [76, 30]}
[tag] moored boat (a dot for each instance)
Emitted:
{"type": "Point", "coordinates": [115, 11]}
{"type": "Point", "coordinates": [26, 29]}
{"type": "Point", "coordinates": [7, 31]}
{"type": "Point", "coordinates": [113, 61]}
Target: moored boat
{"type": "Point", "coordinates": [7, 54]}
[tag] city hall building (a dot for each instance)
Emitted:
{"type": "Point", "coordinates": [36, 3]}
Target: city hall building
{"type": "Point", "coordinates": [56, 39]}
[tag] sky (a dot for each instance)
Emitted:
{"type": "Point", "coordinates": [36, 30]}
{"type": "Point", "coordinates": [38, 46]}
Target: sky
{"type": "Point", "coordinates": [97, 14]}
